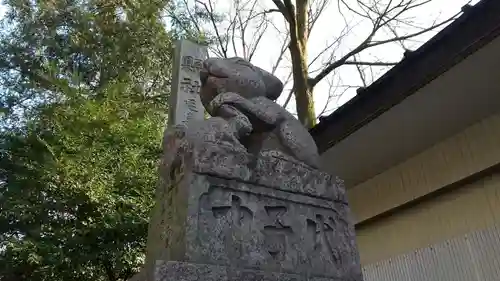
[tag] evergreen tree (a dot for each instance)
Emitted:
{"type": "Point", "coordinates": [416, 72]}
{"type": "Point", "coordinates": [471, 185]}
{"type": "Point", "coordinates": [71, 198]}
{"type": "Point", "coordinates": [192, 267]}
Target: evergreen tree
{"type": "Point", "coordinates": [83, 96]}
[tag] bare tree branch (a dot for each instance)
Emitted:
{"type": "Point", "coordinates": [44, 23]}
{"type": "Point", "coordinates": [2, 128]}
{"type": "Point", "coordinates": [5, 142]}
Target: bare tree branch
{"type": "Point", "coordinates": [314, 14]}
{"type": "Point", "coordinates": [242, 27]}
{"type": "Point", "coordinates": [244, 31]}
{"type": "Point", "coordinates": [210, 11]}
{"type": "Point", "coordinates": [233, 29]}
{"type": "Point", "coordinates": [192, 17]}
{"type": "Point", "coordinates": [380, 42]}
{"type": "Point", "coordinates": [374, 63]}
{"type": "Point", "coordinates": [289, 97]}
{"type": "Point", "coordinates": [329, 47]}
{"type": "Point", "coordinates": [283, 48]}
{"type": "Point", "coordinates": [368, 43]}
{"type": "Point", "coordinates": [258, 34]}
{"type": "Point", "coordinates": [283, 10]}
{"type": "Point", "coordinates": [332, 90]}
{"type": "Point", "coordinates": [360, 72]}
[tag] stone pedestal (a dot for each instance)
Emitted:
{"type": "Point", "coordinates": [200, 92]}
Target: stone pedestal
{"type": "Point", "coordinates": [224, 214]}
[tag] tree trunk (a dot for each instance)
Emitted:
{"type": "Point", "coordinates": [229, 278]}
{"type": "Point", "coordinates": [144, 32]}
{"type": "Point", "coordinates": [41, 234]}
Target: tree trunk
{"type": "Point", "coordinates": [303, 93]}
{"type": "Point", "coordinates": [298, 52]}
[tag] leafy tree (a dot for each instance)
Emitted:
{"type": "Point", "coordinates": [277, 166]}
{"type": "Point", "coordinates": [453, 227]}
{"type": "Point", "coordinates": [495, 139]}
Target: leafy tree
{"type": "Point", "coordinates": [78, 185]}
{"type": "Point", "coordinates": [83, 92]}
{"type": "Point", "coordinates": [54, 47]}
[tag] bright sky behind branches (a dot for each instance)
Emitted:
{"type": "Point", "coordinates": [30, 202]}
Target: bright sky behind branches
{"type": "Point", "coordinates": [341, 85]}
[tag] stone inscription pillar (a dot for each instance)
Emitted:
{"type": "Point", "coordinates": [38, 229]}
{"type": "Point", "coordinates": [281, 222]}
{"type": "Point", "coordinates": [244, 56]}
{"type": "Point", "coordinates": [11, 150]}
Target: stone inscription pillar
{"type": "Point", "coordinates": [185, 104]}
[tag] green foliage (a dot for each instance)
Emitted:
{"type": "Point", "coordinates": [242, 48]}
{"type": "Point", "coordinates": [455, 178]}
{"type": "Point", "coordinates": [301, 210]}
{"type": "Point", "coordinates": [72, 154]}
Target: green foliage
{"type": "Point", "coordinates": [55, 47]}
{"type": "Point", "coordinates": [191, 21]}
{"type": "Point", "coordinates": [79, 184]}
{"type": "Point", "coordinates": [83, 92]}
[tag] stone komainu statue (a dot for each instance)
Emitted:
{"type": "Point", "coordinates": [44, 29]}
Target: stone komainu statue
{"type": "Point", "coordinates": [240, 195]}
{"type": "Point", "coordinates": [240, 97]}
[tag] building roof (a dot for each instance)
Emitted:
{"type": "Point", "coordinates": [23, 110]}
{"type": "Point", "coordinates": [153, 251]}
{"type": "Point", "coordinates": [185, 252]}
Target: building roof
{"type": "Point", "coordinates": [476, 27]}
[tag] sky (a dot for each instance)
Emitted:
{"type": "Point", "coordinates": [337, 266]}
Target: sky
{"type": "Point", "coordinates": [341, 85]}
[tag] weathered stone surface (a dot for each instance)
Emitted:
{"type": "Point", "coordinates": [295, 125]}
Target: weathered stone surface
{"type": "Point", "coordinates": [183, 271]}
{"type": "Point", "coordinates": [243, 96]}
{"type": "Point", "coordinates": [223, 206]}
{"type": "Point", "coordinates": [237, 74]}
{"type": "Point", "coordinates": [240, 196]}
{"type": "Point", "coordinates": [184, 101]}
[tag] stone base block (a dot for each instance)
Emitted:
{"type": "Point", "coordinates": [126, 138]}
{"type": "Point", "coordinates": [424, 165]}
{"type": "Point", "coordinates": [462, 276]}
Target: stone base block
{"type": "Point", "coordinates": [228, 215]}
{"type": "Point", "coordinates": [183, 271]}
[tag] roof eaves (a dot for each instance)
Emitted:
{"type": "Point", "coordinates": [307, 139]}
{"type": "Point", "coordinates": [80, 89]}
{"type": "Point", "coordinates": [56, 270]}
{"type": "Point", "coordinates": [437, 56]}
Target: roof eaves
{"type": "Point", "coordinates": [477, 26]}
